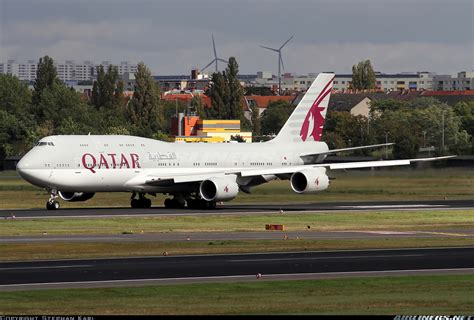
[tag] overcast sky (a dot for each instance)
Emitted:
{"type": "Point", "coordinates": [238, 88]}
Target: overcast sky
{"type": "Point", "coordinates": [172, 37]}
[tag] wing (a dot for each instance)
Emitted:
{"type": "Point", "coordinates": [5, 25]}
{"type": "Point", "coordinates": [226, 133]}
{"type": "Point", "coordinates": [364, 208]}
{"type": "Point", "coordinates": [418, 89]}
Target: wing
{"type": "Point", "coordinates": [347, 149]}
{"type": "Point", "coordinates": [338, 166]}
{"type": "Point", "coordinates": [169, 180]}
{"type": "Point", "coordinates": [155, 180]}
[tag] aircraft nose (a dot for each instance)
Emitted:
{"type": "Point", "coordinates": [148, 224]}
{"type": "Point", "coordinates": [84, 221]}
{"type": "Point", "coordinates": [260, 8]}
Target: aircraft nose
{"type": "Point", "coordinates": [22, 164]}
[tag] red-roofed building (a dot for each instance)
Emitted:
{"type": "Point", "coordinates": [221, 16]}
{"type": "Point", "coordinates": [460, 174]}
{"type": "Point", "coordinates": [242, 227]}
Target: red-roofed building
{"type": "Point", "coordinates": [249, 101]}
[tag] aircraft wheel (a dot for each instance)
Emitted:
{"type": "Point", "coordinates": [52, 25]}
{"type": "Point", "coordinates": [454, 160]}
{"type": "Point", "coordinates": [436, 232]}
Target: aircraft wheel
{"type": "Point", "coordinates": [193, 203]}
{"type": "Point", "coordinates": [146, 203]}
{"type": "Point", "coordinates": [52, 205]}
{"type": "Point", "coordinates": [212, 204]}
{"type": "Point", "coordinates": [208, 204]}
{"type": "Point", "coordinates": [134, 203]}
{"type": "Point", "coordinates": [168, 203]}
{"type": "Point", "coordinates": [179, 203]}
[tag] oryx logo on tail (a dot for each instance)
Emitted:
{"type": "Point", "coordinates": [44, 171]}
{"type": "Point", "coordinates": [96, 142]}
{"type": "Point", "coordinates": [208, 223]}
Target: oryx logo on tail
{"type": "Point", "coordinates": [306, 123]}
{"type": "Point", "coordinates": [315, 115]}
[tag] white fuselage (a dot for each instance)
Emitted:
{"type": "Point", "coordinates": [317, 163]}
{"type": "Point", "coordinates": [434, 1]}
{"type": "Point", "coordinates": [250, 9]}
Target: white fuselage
{"type": "Point", "coordinates": [90, 163]}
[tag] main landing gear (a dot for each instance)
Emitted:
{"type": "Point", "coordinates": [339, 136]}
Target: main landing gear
{"type": "Point", "coordinates": [180, 202]}
{"type": "Point", "coordinates": [52, 203]}
{"type": "Point", "coordinates": [200, 204]}
{"type": "Point", "coordinates": [141, 202]}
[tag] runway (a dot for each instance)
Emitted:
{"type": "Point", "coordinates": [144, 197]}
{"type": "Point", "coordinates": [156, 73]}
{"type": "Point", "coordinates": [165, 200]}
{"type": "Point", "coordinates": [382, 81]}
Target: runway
{"type": "Point", "coordinates": [241, 235]}
{"type": "Point", "coordinates": [240, 209]}
{"type": "Point", "coordinates": [232, 267]}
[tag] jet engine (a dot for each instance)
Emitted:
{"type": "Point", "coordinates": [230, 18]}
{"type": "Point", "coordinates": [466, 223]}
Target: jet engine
{"type": "Point", "coordinates": [218, 189]}
{"type": "Point", "coordinates": [75, 196]}
{"type": "Point", "coordinates": [311, 180]}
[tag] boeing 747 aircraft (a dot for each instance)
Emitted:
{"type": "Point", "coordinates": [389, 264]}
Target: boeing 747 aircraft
{"type": "Point", "coordinates": [196, 175]}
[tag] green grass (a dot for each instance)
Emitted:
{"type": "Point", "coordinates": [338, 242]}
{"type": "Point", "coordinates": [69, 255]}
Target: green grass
{"type": "Point", "coordinates": [355, 185]}
{"type": "Point", "coordinates": [81, 250]}
{"type": "Point", "coordinates": [334, 221]}
{"type": "Point", "coordinates": [453, 295]}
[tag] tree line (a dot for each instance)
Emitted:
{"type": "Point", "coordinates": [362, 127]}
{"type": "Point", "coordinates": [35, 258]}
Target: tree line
{"type": "Point", "coordinates": [54, 108]}
{"type": "Point", "coordinates": [412, 125]}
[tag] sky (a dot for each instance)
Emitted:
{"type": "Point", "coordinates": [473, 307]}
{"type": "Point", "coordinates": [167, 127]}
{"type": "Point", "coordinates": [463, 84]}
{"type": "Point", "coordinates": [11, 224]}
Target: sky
{"type": "Point", "coordinates": [173, 37]}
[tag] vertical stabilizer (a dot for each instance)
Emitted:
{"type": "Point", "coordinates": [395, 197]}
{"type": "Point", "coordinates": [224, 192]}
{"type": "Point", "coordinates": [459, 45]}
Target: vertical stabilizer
{"type": "Point", "coordinates": [306, 123]}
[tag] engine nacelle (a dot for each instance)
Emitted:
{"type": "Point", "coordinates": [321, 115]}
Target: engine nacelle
{"type": "Point", "coordinates": [219, 189]}
{"type": "Point", "coordinates": [75, 196]}
{"type": "Point", "coordinates": [311, 180]}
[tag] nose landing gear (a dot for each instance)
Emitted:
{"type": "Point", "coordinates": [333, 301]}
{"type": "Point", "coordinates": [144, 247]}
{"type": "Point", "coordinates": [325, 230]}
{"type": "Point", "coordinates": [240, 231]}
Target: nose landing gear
{"type": "Point", "coordinates": [52, 203]}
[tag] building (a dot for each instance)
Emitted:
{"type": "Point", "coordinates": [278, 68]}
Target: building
{"type": "Point", "coordinates": [191, 128]}
{"type": "Point", "coordinates": [464, 81]}
{"type": "Point", "coordinates": [69, 71]}
{"type": "Point", "coordinates": [24, 71]}
{"type": "Point", "coordinates": [391, 82]}
{"type": "Point", "coordinates": [412, 81]}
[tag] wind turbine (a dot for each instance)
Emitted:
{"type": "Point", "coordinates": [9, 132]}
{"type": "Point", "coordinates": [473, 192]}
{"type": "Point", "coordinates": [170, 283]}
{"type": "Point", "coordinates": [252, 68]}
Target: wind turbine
{"type": "Point", "coordinates": [280, 62]}
{"type": "Point", "coordinates": [215, 56]}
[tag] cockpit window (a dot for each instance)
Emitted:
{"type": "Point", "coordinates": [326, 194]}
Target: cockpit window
{"type": "Point", "coordinates": [44, 143]}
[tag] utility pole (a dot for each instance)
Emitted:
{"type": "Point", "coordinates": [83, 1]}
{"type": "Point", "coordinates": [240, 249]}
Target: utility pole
{"type": "Point", "coordinates": [442, 132]}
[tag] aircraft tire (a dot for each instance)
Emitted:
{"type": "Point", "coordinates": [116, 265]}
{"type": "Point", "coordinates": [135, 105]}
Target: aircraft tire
{"type": "Point", "coordinates": [52, 205]}
{"type": "Point", "coordinates": [146, 203]}
{"type": "Point", "coordinates": [193, 203]}
{"type": "Point", "coordinates": [134, 203]}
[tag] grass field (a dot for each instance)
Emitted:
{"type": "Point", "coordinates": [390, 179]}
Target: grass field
{"type": "Point", "coordinates": [334, 221]}
{"type": "Point", "coordinates": [355, 185]}
{"type": "Point", "coordinates": [432, 223]}
{"type": "Point", "coordinates": [441, 295]}
{"type": "Point", "coordinates": [81, 250]}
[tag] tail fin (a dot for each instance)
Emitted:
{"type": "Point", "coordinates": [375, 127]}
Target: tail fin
{"type": "Point", "coordinates": [306, 122]}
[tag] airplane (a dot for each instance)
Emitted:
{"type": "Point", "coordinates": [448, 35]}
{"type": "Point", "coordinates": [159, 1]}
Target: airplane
{"type": "Point", "coordinates": [194, 175]}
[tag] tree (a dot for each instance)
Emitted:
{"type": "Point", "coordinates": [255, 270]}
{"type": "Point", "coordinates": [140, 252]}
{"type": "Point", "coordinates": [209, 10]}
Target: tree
{"type": "Point", "coordinates": [235, 91]}
{"type": "Point", "coordinates": [143, 109]}
{"type": "Point", "coordinates": [218, 93]}
{"type": "Point", "coordinates": [226, 95]}
{"type": "Point", "coordinates": [256, 122]}
{"type": "Point", "coordinates": [260, 91]}
{"type": "Point", "coordinates": [421, 122]}
{"type": "Point", "coordinates": [275, 116]}
{"type": "Point", "coordinates": [198, 107]}
{"type": "Point", "coordinates": [46, 76]}
{"type": "Point", "coordinates": [237, 138]}
{"type": "Point", "coordinates": [14, 95]}
{"type": "Point", "coordinates": [363, 76]}
{"type": "Point", "coordinates": [343, 129]}
{"type": "Point", "coordinates": [107, 90]}
{"type": "Point", "coordinates": [465, 110]}
{"type": "Point", "coordinates": [17, 121]}
{"type": "Point", "coordinates": [62, 111]}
